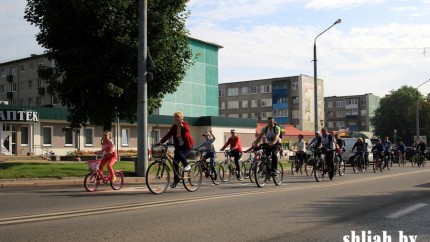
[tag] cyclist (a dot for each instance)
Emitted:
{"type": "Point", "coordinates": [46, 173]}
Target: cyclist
{"type": "Point", "coordinates": [378, 151]}
{"type": "Point", "coordinates": [208, 146]}
{"type": "Point", "coordinates": [109, 154]}
{"type": "Point", "coordinates": [315, 140]}
{"type": "Point", "coordinates": [328, 144]}
{"type": "Point", "coordinates": [183, 142]}
{"type": "Point", "coordinates": [235, 150]}
{"type": "Point", "coordinates": [272, 133]}
{"type": "Point", "coordinates": [421, 148]}
{"type": "Point", "coordinates": [361, 149]}
{"type": "Point", "coordinates": [387, 146]}
{"type": "Point", "coordinates": [402, 150]}
{"type": "Point", "coordinates": [341, 143]}
{"type": "Point", "coordinates": [301, 150]}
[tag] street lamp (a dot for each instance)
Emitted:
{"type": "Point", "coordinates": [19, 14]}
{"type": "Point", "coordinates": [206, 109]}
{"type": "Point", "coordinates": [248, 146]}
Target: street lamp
{"type": "Point", "coordinates": [315, 74]}
{"type": "Point", "coordinates": [418, 111]}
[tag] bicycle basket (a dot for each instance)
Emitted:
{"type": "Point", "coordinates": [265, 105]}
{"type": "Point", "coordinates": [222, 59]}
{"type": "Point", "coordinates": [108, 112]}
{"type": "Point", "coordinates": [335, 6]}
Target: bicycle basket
{"type": "Point", "coordinates": [158, 151]}
{"type": "Point", "coordinates": [93, 165]}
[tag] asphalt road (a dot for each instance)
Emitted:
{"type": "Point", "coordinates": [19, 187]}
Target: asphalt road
{"type": "Point", "coordinates": [301, 209]}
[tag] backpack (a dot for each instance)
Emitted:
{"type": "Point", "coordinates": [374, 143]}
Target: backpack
{"type": "Point", "coordinates": [274, 127]}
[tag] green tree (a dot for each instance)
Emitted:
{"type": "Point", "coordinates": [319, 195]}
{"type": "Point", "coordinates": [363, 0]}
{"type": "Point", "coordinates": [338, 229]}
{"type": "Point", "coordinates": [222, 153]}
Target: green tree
{"type": "Point", "coordinates": [95, 46]}
{"type": "Point", "coordinates": [398, 111]}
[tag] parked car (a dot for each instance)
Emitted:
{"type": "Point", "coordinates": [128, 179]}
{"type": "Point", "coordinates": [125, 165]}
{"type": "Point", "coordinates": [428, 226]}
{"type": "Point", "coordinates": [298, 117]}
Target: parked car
{"type": "Point", "coordinates": [349, 143]}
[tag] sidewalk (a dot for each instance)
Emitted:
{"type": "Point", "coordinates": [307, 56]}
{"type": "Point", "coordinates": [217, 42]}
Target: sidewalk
{"type": "Point", "coordinates": [65, 181]}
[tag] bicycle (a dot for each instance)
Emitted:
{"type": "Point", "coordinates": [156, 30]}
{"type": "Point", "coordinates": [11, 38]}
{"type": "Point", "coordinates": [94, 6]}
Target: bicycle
{"type": "Point", "coordinates": [420, 159]}
{"type": "Point", "coordinates": [402, 159]}
{"type": "Point", "coordinates": [321, 167]}
{"type": "Point", "coordinates": [357, 162]}
{"type": "Point", "coordinates": [378, 163]}
{"type": "Point", "coordinates": [263, 169]}
{"type": "Point", "coordinates": [207, 169]}
{"type": "Point", "coordinates": [93, 179]}
{"type": "Point", "coordinates": [247, 166]}
{"type": "Point", "coordinates": [158, 172]}
{"type": "Point", "coordinates": [230, 168]}
{"type": "Point", "coordinates": [312, 156]}
{"type": "Point", "coordinates": [297, 164]}
{"type": "Point", "coordinates": [339, 165]}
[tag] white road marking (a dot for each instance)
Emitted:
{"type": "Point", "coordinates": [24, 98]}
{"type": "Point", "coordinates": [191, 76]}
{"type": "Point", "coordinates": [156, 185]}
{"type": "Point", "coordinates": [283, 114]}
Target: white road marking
{"type": "Point", "coordinates": [407, 210]}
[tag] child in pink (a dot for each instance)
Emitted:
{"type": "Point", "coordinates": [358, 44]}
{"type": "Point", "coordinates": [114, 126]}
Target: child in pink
{"type": "Point", "coordinates": [109, 154]}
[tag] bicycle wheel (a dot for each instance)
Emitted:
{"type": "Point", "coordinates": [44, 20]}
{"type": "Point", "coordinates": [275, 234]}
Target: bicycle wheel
{"type": "Point", "coordinates": [116, 185]}
{"type": "Point", "coordinates": [279, 177]}
{"type": "Point", "coordinates": [353, 161]}
{"type": "Point", "coordinates": [252, 171]}
{"type": "Point", "coordinates": [90, 182]}
{"type": "Point", "coordinates": [157, 177]}
{"type": "Point", "coordinates": [260, 173]}
{"type": "Point", "coordinates": [309, 167]}
{"type": "Point", "coordinates": [193, 178]}
{"type": "Point", "coordinates": [294, 166]}
{"type": "Point", "coordinates": [220, 171]}
{"type": "Point", "coordinates": [319, 171]}
{"type": "Point", "coordinates": [227, 171]}
{"type": "Point", "coordinates": [341, 168]}
{"type": "Point", "coordinates": [244, 170]}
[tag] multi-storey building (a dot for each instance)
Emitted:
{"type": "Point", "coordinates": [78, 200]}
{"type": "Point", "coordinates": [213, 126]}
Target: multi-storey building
{"type": "Point", "coordinates": [350, 112]}
{"type": "Point", "coordinates": [290, 100]}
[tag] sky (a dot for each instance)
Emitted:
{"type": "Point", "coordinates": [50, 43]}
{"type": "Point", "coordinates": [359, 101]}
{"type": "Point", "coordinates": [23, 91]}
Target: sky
{"type": "Point", "coordinates": [379, 46]}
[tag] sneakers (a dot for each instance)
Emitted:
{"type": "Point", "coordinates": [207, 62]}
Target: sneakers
{"type": "Point", "coordinates": [187, 168]}
{"type": "Point", "coordinates": [173, 185]}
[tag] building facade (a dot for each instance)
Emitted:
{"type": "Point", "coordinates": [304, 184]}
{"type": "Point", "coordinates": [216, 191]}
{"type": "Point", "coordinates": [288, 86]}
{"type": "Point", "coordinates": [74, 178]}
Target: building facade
{"type": "Point", "coordinates": [33, 122]}
{"type": "Point", "coordinates": [351, 113]}
{"type": "Point", "coordinates": [290, 100]}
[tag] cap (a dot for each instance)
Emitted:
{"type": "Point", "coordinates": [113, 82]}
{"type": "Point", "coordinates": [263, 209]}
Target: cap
{"type": "Point", "coordinates": [233, 131]}
{"type": "Point", "coordinates": [205, 134]}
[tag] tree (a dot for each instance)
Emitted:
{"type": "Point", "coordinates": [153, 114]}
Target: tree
{"type": "Point", "coordinates": [95, 46]}
{"type": "Point", "coordinates": [398, 111]}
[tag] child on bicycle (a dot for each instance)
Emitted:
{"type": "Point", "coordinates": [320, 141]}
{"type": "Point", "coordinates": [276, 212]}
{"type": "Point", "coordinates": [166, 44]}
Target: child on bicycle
{"type": "Point", "coordinates": [208, 146]}
{"type": "Point", "coordinates": [301, 150]}
{"type": "Point", "coordinates": [235, 149]}
{"type": "Point", "coordinates": [109, 154]}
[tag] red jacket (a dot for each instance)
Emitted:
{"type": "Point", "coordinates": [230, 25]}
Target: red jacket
{"type": "Point", "coordinates": [234, 144]}
{"type": "Point", "coordinates": [185, 133]}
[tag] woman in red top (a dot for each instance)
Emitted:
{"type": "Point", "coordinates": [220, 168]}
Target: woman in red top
{"type": "Point", "coordinates": [109, 154]}
{"type": "Point", "coordinates": [183, 142]}
{"type": "Point", "coordinates": [235, 150]}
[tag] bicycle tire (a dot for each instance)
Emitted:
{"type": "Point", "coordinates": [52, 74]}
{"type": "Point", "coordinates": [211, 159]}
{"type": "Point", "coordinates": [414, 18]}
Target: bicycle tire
{"type": "Point", "coordinates": [319, 171]}
{"type": "Point", "coordinates": [157, 177]}
{"type": "Point", "coordinates": [260, 173]}
{"type": "Point", "coordinates": [91, 182]}
{"type": "Point", "coordinates": [293, 166]}
{"type": "Point", "coordinates": [309, 167]}
{"type": "Point", "coordinates": [193, 178]}
{"type": "Point", "coordinates": [279, 175]}
{"type": "Point", "coordinates": [116, 185]}
{"type": "Point", "coordinates": [353, 162]}
{"type": "Point", "coordinates": [244, 170]}
{"type": "Point", "coordinates": [251, 172]}
{"type": "Point", "coordinates": [220, 171]}
{"type": "Point", "coordinates": [227, 171]}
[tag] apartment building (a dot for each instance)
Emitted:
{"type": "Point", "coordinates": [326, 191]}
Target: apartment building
{"type": "Point", "coordinates": [351, 113]}
{"type": "Point", "coordinates": [290, 100]}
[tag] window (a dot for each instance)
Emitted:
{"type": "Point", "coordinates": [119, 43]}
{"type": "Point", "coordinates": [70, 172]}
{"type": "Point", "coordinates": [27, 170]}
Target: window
{"type": "Point", "coordinates": [24, 135]}
{"type": "Point", "coordinates": [89, 136]}
{"type": "Point", "coordinates": [2, 89]}
{"type": "Point", "coordinates": [351, 112]}
{"type": "Point", "coordinates": [68, 136]}
{"type": "Point", "coordinates": [340, 114]}
{"type": "Point", "coordinates": [331, 114]}
{"type": "Point", "coordinates": [363, 112]}
{"type": "Point", "coordinates": [244, 90]}
{"type": "Point", "coordinates": [233, 115]}
{"type": "Point", "coordinates": [280, 113]}
{"type": "Point", "coordinates": [265, 115]}
{"type": "Point", "coordinates": [352, 122]}
{"type": "Point", "coordinates": [47, 135]}
{"type": "Point", "coordinates": [125, 136]}
{"type": "Point", "coordinates": [156, 135]}
{"type": "Point", "coordinates": [21, 68]}
{"type": "Point", "coordinates": [221, 92]}
{"type": "Point", "coordinates": [232, 104]}
{"type": "Point", "coordinates": [254, 103]}
{"type": "Point", "coordinates": [222, 105]}
{"type": "Point", "coordinates": [254, 90]}
{"type": "Point", "coordinates": [363, 123]}
{"type": "Point", "coordinates": [330, 124]}
{"type": "Point", "coordinates": [39, 101]}
{"type": "Point", "coordinates": [340, 123]}
{"type": "Point", "coordinates": [244, 115]}
{"type": "Point", "coordinates": [255, 116]}
{"type": "Point", "coordinates": [14, 71]}
{"type": "Point", "coordinates": [295, 114]}
{"type": "Point", "coordinates": [55, 100]}
{"type": "Point", "coordinates": [30, 101]}
{"type": "Point", "coordinates": [282, 100]}
{"type": "Point", "coordinates": [363, 102]}
{"type": "Point", "coordinates": [266, 88]}
{"type": "Point", "coordinates": [295, 100]}
{"type": "Point", "coordinates": [30, 83]}
{"type": "Point", "coordinates": [39, 83]}
{"type": "Point", "coordinates": [21, 85]}
{"type": "Point", "coordinates": [340, 103]}
{"type": "Point", "coordinates": [233, 92]}
{"type": "Point", "coordinates": [30, 66]}
{"type": "Point", "coordinates": [13, 87]}
{"type": "Point", "coordinates": [244, 103]}
{"type": "Point", "coordinates": [2, 73]}
{"type": "Point", "coordinates": [266, 102]}
{"type": "Point", "coordinates": [295, 86]}
{"type": "Point", "coordinates": [351, 101]}
{"type": "Point", "coordinates": [330, 104]}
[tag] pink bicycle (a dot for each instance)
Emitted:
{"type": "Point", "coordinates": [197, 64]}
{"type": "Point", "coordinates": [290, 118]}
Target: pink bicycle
{"type": "Point", "coordinates": [95, 177]}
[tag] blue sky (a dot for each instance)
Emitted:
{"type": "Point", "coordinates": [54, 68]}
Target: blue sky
{"type": "Point", "coordinates": [379, 46]}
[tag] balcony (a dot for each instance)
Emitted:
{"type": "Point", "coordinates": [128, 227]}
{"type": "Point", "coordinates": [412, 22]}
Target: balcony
{"type": "Point", "coordinates": [280, 106]}
{"type": "Point", "coordinates": [9, 95]}
{"type": "Point", "coordinates": [9, 78]}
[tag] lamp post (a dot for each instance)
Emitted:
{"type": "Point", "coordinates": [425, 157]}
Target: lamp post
{"type": "Point", "coordinates": [395, 136]}
{"type": "Point", "coordinates": [418, 112]}
{"type": "Point", "coordinates": [315, 74]}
